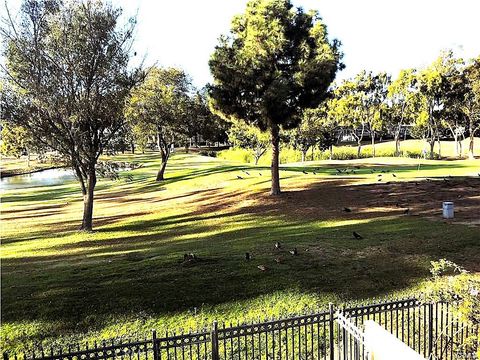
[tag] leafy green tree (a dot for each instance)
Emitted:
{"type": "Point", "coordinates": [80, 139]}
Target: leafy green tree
{"type": "Point", "coordinates": [14, 141]}
{"type": "Point", "coordinates": [201, 122]}
{"type": "Point", "coordinates": [309, 133]}
{"type": "Point", "coordinates": [452, 117]}
{"type": "Point", "coordinates": [401, 98]}
{"type": "Point", "coordinates": [160, 106]}
{"type": "Point", "coordinates": [353, 106]}
{"type": "Point", "coordinates": [68, 66]}
{"type": "Point", "coordinates": [275, 62]}
{"type": "Point", "coordinates": [470, 105]}
{"type": "Point", "coordinates": [375, 88]}
{"type": "Point", "coordinates": [249, 137]}
{"type": "Point", "coordinates": [430, 84]}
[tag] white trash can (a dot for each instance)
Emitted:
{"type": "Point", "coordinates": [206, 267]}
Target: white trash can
{"type": "Point", "coordinates": [448, 210]}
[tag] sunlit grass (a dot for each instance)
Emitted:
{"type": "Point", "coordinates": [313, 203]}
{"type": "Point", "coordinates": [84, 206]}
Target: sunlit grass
{"type": "Point", "coordinates": [128, 276]}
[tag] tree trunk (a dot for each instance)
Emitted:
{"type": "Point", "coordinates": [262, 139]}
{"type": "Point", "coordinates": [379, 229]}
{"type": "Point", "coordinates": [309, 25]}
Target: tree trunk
{"type": "Point", "coordinates": [304, 154]}
{"type": "Point", "coordinates": [331, 152]}
{"type": "Point", "coordinates": [456, 139]}
{"type": "Point", "coordinates": [359, 148]}
{"type": "Point", "coordinates": [471, 155]}
{"type": "Point", "coordinates": [161, 172]}
{"type": "Point", "coordinates": [28, 158]}
{"type": "Point", "coordinates": [372, 133]}
{"type": "Point", "coordinates": [256, 159]}
{"type": "Point", "coordinates": [432, 146]}
{"type": "Point", "coordinates": [275, 160]}
{"type": "Point", "coordinates": [439, 147]}
{"type": "Point", "coordinates": [397, 144]}
{"type": "Point", "coordinates": [87, 222]}
{"type": "Point", "coordinates": [132, 145]}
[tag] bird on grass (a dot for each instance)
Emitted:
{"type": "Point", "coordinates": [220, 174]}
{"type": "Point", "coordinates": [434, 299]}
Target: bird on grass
{"type": "Point", "coordinates": [305, 172]}
{"type": "Point", "coordinates": [246, 172]}
{"type": "Point", "coordinates": [247, 256]}
{"type": "Point", "coordinates": [262, 267]}
{"type": "Point", "coordinates": [380, 179]}
{"type": "Point", "coordinates": [278, 260]}
{"type": "Point", "coordinates": [294, 251]}
{"type": "Point", "coordinates": [278, 245]}
{"type": "Point", "coordinates": [394, 175]}
{"type": "Point", "coordinates": [239, 177]}
{"type": "Point", "coordinates": [357, 236]}
{"type": "Point", "coordinates": [346, 209]}
{"type": "Point", "coordinates": [314, 173]}
{"type": "Point", "coordinates": [260, 174]}
{"type": "Point", "coordinates": [379, 175]}
{"type": "Point", "coordinates": [406, 211]}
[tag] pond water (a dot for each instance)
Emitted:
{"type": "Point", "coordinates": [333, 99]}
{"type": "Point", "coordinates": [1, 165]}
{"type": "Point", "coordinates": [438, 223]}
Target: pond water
{"type": "Point", "coordinates": [40, 178]}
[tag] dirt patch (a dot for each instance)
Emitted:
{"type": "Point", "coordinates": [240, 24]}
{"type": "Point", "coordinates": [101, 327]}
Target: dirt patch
{"type": "Point", "coordinates": [332, 199]}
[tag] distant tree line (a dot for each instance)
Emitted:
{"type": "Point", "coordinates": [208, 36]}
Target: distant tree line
{"type": "Point", "coordinates": [441, 101]}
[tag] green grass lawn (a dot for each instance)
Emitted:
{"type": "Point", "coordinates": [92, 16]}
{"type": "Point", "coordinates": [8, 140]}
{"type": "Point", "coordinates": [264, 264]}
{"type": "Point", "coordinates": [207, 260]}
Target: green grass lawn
{"type": "Point", "coordinates": [410, 148]}
{"type": "Point", "coordinates": [128, 275]}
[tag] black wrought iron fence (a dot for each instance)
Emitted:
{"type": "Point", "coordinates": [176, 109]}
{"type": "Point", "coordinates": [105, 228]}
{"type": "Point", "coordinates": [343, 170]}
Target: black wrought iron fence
{"type": "Point", "coordinates": [430, 329]}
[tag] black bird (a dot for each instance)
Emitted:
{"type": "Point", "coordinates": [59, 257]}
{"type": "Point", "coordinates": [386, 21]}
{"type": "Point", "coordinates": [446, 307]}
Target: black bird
{"type": "Point", "coordinates": [247, 256]}
{"type": "Point", "coordinates": [239, 177]}
{"type": "Point", "coordinates": [406, 211]}
{"type": "Point", "coordinates": [347, 209]}
{"type": "Point", "coordinates": [379, 175]}
{"type": "Point", "coordinates": [380, 179]}
{"type": "Point", "coordinates": [314, 173]}
{"type": "Point", "coordinates": [260, 174]}
{"type": "Point", "coordinates": [304, 172]}
{"type": "Point", "coordinates": [278, 245]}
{"type": "Point", "coordinates": [246, 172]}
{"type": "Point", "coordinates": [394, 175]}
{"type": "Point", "coordinates": [339, 171]}
{"type": "Point", "coordinates": [294, 251]}
{"type": "Point", "coordinates": [357, 236]}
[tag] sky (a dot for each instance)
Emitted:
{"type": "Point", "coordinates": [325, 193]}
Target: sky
{"type": "Point", "coordinates": [377, 35]}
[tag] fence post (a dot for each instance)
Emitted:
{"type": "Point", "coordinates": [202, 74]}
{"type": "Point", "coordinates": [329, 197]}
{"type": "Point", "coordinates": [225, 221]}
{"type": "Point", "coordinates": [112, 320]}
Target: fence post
{"type": "Point", "coordinates": [330, 326]}
{"type": "Point", "coordinates": [155, 345]}
{"type": "Point", "coordinates": [430, 329]}
{"type": "Point", "coordinates": [214, 338]}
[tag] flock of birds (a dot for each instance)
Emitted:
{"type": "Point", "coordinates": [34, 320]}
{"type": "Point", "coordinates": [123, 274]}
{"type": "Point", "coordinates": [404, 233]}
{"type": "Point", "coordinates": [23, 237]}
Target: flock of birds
{"type": "Point", "coordinates": [381, 174]}
{"type": "Point", "coordinates": [338, 171]}
{"type": "Point", "coordinates": [278, 259]}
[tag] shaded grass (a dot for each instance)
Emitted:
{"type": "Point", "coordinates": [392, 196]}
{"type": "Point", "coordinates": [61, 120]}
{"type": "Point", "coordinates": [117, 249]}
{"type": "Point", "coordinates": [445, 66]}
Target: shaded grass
{"type": "Point", "coordinates": [127, 276]}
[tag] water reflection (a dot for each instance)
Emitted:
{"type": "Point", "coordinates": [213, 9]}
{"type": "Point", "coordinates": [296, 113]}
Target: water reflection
{"type": "Point", "coordinates": [40, 178]}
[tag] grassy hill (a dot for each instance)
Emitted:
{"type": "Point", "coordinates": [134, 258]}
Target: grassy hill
{"type": "Point", "coordinates": [410, 148]}
{"type": "Point", "coordinates": [129, 275]}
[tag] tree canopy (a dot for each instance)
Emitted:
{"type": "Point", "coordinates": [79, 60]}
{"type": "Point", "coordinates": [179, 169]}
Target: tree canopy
{"type": "Point", "coordinates": [276, 61]}
{"type": "Point", "coordinates": [68, 67]}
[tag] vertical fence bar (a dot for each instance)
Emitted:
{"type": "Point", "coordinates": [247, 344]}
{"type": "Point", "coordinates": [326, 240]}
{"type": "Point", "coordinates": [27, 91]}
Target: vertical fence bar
{"type": "Point", "coordinates": [154, 345]}
{"type": "Point", "coordinates": [214, 339]}
{"type": "Point", "coordinates": [430, 329]}
{"type": "Point", "coordinates": [330, 329]}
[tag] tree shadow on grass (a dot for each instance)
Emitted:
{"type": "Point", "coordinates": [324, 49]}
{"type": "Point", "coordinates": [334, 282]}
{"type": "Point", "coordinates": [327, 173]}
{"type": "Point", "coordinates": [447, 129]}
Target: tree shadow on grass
{"type": "Point", "coordinates": [125, 274]}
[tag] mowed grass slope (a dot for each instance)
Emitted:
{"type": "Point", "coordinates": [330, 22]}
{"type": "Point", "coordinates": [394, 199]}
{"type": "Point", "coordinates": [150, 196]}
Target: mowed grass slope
{"type": "Point", "coordinates": [128, 275]}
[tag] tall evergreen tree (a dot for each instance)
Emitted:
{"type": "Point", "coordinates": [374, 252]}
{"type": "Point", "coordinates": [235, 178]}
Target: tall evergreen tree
{"type": "Point", "coordinates": [276, 61]}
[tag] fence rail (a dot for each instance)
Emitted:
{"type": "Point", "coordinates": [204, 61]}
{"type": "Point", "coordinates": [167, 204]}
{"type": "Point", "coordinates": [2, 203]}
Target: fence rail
{"type": "Point", "coordinates": [429, 329]}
